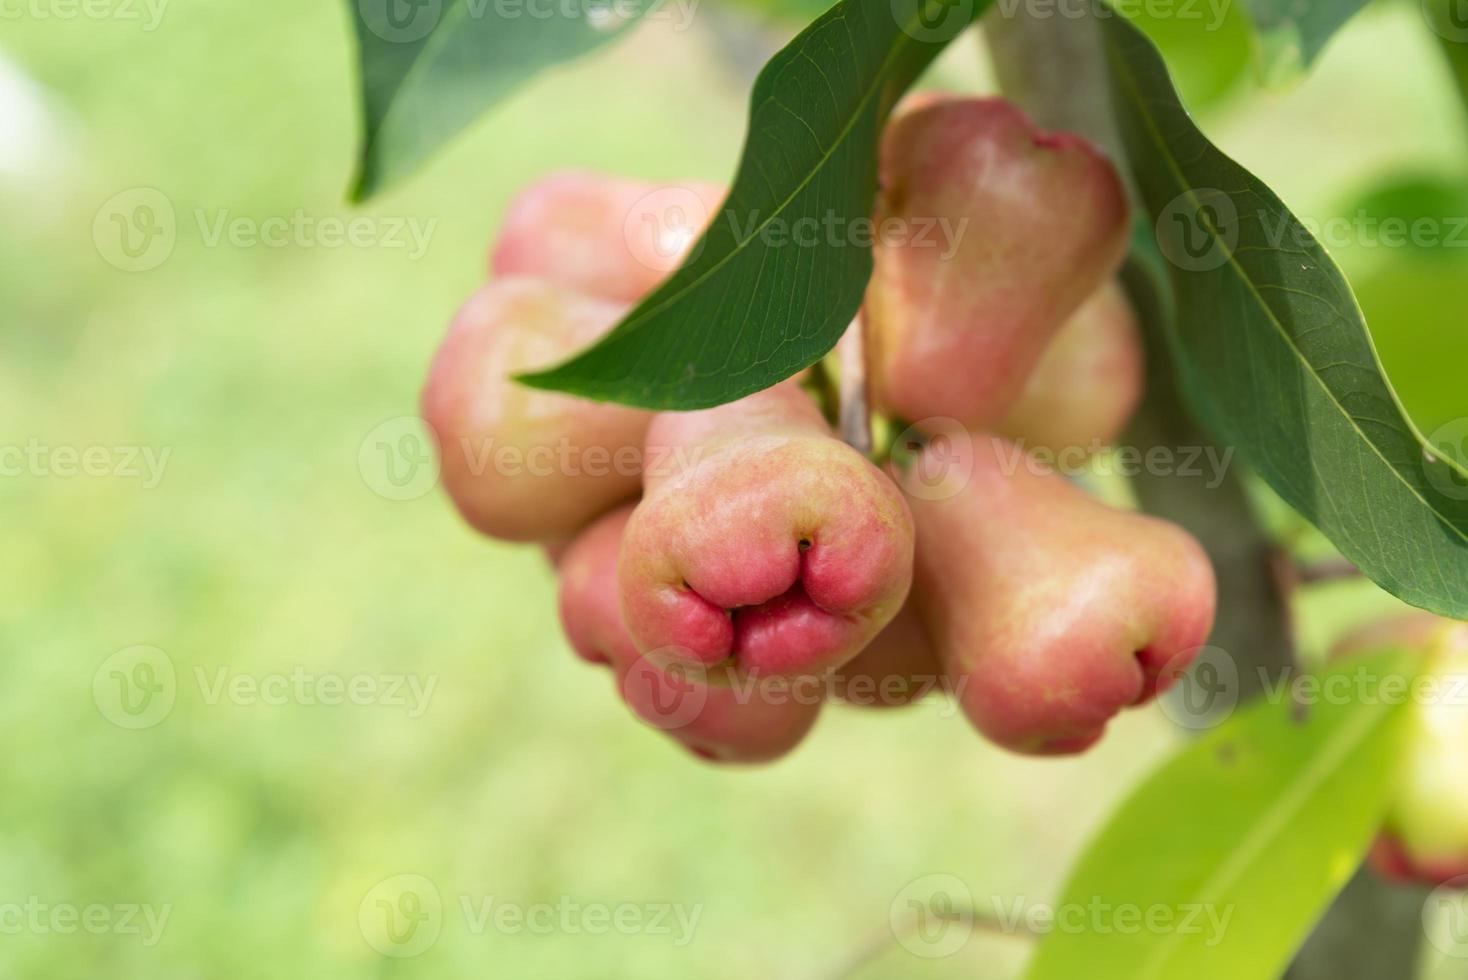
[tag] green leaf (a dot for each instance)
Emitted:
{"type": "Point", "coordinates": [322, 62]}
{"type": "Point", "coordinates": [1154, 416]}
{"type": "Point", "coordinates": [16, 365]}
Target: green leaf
{"type": "Point", "coordinates": [1292, 33]}
{"type": "Point", "coordinates": [430, 67]}
{"type": "Point", "coordinates": [1211, 501]}
{"type": "Point", "coordinates": [1274, 353]}
{"type": "Point", "coordinates": [1373, 930]}
{"type": "Point", "coordinates": [779, 273]}
{"type": "Point", "coordinates": [1257, 824]}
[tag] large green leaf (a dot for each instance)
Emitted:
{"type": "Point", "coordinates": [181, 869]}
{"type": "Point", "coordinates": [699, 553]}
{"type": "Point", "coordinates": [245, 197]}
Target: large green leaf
{"type": "Point", "coordinates": [1211, 501]}
{"type": "Point", "coordinates": [429, 67]}
{"type": "Point", "coordinates": [1256, 825]}
{"type": "Point", "coordinates": [1275, 354]}
{"type": "Point", "coordinates": [780, 271]}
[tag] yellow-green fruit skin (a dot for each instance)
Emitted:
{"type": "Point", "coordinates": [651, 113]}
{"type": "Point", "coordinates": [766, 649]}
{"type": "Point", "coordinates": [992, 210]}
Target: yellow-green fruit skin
{"type": "Point", "coordinates": [1425, 834]}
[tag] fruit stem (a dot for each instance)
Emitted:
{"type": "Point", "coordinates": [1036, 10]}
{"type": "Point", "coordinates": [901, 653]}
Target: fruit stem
{"type": "Point", "coordinates": [1331, 569]}
{"type": "Point", "coordinates": [965, 916]}
{"type": "Point", "coordinates": [855, 413]}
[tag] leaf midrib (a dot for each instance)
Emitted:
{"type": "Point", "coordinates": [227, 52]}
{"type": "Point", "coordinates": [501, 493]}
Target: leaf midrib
{"type": "Point", "coordinates": [1123, 71]}
{"type": "Point", "coordinates": [905, 40]}
{"type": "Point", "coordinates": [431, 43]}
{"type": "Point", "coordinates": [1343, 742]}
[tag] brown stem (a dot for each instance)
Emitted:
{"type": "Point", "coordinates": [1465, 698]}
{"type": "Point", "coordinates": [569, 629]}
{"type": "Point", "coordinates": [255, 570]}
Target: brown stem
{"type": "Point", "coordinates": [880, 944]}
{"type": "Point", "coordinates": [1286, 579]}
{"type": "Point", "coordinates": [1332, 569]}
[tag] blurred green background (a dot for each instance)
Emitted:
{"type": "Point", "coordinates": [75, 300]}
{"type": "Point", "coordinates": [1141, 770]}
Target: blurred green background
{"type": "Point", "coordinates": [272, 543]}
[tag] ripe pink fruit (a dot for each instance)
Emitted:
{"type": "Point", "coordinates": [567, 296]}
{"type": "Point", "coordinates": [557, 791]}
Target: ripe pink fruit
{"type": "Point", "coordinates": [1425, 834]}
{"type": "Point", "coordinates": [1050, 611]}
{"type": "Point", "coordinates": [600, 235]}
{"type": "Point", "coordinates": [717, 721]}
{"type": "Point", "coordinates": [520, 463]}
{"type": "Point", "coordinates": [897, 668]}
{"type": "Point", "coordinates": [772, 545]}
{"type": "Point", "coordinates": [1088, 381]}
{"type": "Point", "coordinates": [959, 316]}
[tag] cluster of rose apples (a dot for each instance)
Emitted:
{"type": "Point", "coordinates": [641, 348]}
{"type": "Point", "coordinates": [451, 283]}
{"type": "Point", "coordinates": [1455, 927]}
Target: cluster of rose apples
{"type": "Point", "coordinates": [738, 567]}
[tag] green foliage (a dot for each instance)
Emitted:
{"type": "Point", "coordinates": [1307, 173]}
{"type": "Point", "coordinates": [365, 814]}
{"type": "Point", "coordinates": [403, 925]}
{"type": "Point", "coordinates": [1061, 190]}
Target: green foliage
{"type": "Point", "coordinates": [1407, 268]}
{"type": "Point", "coordinates": [1208, 52]}
{"type": "Point", "coordinates": [1292, 34]}
{"type": "Point", "coordinates": [1255, 826]}
{"type": "Point", "coordinates": [757, 301]}
{"type": "Point", "coordinates": [1276, 355]}
{"type": "Point", "coordinates": [429, 69]}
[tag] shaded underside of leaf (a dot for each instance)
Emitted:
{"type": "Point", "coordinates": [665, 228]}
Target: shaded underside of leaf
{"type": "Point", "coordinates": [1275, 354]}
{"type": "Point", "coordinates": [755, 304]}
{"type": "Point", "coordinates": [1236, 844]}
{"type": "Point", "coordinates": [428, 69]}
{"type": "Point", "coordinates": [1215, 509]}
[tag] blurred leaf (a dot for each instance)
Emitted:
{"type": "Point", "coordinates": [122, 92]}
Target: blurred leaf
{"type": "Point", "coordinates": [1256, 824]}
{"type": "Point", "coordinates": [1422, 213]}
{"type": "Point", "coordinates": [430, 67]}
{"type": "Point", "coordinates": [1275, 355]}
{"type": "Point", "coordinates": [1209, 46]}
{"type": "Point", "coordinates": [753, 305]}
{"type": "Point", "coordinates": [1417, 310]}
{"type": "Point", "coordinates": [1292, 33]}
{"type": "Point", "coordinates": [1448, 22]}
{"type": "Point", "coordinates": [1408, 259]}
